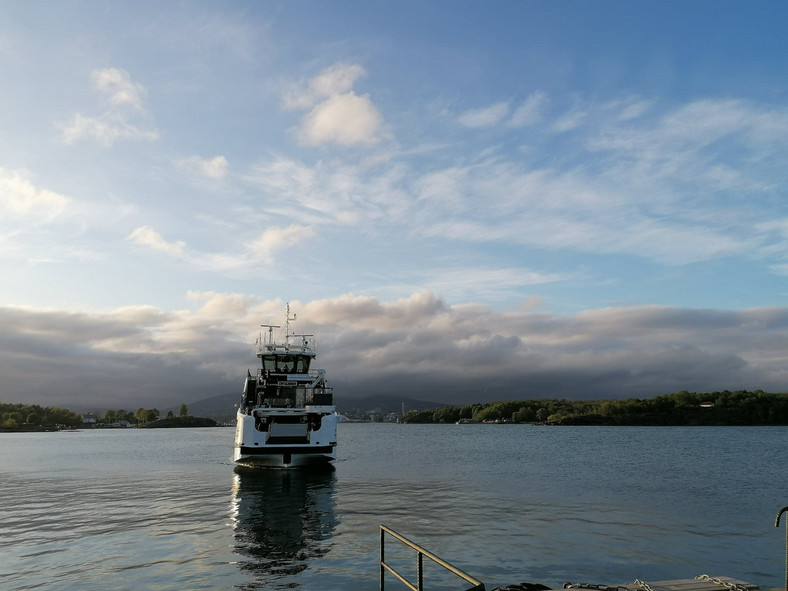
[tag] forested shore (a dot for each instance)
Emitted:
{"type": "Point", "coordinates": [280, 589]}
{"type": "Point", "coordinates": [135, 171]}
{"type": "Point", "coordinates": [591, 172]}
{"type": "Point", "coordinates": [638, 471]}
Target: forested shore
{"type": "Point", "coordinates": [33, 417]}
{"type": "Point", "coordinates": [742, 407]}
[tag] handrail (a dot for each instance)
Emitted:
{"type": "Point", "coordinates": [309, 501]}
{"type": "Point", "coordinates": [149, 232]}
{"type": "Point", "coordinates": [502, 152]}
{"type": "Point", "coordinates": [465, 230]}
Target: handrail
{"type": "Point", "coordinates": [477, 585]}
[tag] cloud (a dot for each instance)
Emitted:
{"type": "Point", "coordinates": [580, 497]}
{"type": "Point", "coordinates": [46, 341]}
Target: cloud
{"type": "Point", "coordinates": [337, 114]}
{"type": "Point", "coordinates": [530, 110]}
{"type": "Point", "coordinates": [417, 346]}
{"type": "Point", "coordinates": [274, 239]}
{"type": "Point", "coordinates": [485, 117]}
{"type": "Point", "coordinates": [150, 238]}
{"type": "Point", "coordinates": [119, 88]}
{"type": "Point", "coordinates": [20, 198]}
{"type": "Point", "coordinates": [213, 168]}
{"type": "Point", "coordinates": [344, 119]}
{"type": "Point", "coordinates": [122, 119]}
{"type": "Point", "coordinates": [332, 191]}
{"type": "Point", "coordinates": [488, 284]}
{"type": "Point", "coordinates": [257, 252]}
{"type": "Point", "coordinates": [569, 121]}
{"type": "Point", "coordinates": [106, 129]}
{"type": "Point", "coordinates": [335, 80]}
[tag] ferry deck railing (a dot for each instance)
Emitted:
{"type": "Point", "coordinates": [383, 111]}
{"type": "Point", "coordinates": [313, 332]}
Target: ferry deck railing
{"type": "Point", "coordinates": [421, 552]}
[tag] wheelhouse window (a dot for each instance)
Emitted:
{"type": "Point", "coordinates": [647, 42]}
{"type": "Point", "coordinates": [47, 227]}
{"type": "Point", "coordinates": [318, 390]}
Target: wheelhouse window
{"type": "Point", "coordinates": [286, 363]}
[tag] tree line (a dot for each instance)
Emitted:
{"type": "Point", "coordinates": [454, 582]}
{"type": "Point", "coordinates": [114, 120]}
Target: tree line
{"type": "Point", "coordinates": [742, 407]}
{"type": "Point", "coordinates": [14, 416]}
{"type": "Point", "coordinates": [31, 416]}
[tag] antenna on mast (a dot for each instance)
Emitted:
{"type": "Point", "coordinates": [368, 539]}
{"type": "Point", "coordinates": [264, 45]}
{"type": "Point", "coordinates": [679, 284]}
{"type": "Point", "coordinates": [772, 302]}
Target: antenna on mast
{"type": "Point", "coordinates": [287, 327]}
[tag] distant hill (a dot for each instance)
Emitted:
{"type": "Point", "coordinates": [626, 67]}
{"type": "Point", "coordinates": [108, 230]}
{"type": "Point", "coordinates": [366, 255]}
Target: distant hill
{"type": "Point", "coordinates": [386, 403]}
{"type": "Point", "coordinates": [181, 422]}
{"type": "Point", "coordinates": [222, 406]}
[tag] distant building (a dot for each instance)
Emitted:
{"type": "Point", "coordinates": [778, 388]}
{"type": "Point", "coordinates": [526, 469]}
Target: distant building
{"type": "Point", "coordinates": [89, 419]}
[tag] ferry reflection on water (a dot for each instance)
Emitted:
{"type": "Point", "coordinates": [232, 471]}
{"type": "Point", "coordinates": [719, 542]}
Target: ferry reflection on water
{"type": "Point", "coordinates": [282, 520]}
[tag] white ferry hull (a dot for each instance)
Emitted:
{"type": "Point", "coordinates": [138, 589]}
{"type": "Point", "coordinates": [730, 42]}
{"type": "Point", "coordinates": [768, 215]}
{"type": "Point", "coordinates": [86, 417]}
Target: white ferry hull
{"type": "Point", "coordinates": [286, 417]}
{"type": "Point", "coordinates": [263, 449]}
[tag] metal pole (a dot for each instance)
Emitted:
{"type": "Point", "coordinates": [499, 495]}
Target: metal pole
{"type": "Point", "coordinates": [420, 569]}
{"type": "Point", "coordinates": [777, 524]}
{"type": "Point", "coordinates": [382, 557]}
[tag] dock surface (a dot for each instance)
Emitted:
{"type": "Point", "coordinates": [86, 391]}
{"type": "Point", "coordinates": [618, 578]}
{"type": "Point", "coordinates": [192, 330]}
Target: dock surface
{"type": "Point", "coordinates": [697, 584]}
{"type": "Point", "coordinates": [701, 583]}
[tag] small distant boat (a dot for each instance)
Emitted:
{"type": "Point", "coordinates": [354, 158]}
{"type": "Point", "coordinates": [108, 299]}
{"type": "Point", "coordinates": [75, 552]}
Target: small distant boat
{"type": "Point", "coordinates": [287, 416]}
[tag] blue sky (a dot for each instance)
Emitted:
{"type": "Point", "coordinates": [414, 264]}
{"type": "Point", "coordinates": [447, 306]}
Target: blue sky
{"type": "Point", "coordinates": [466, 200]}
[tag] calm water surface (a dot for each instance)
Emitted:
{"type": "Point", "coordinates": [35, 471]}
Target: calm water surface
{"type": "Point", "coordinates": [165, 509]}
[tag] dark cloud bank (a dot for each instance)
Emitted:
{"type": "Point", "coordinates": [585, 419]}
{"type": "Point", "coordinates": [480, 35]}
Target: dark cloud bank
{"type": "Point", "coordinates": [418, 347]}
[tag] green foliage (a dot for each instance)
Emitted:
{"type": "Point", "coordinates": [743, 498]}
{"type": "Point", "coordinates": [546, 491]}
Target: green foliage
{"type": "Point", "coordinates": [33, 416]}
{"type": "Point", "coordinates": [681, 408]}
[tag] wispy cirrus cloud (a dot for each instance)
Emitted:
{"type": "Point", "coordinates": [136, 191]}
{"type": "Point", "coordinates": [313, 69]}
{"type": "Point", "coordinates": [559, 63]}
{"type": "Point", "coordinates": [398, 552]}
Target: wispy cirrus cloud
{"type": "Point", "coordinates": [259, 251]}
{"type": "Point", "coordinates": [213, 168]}
{"type": "Point", "coordinates": [527, 113]}
{"type": "Point", "coordinates": [484, 117]}
{"type": "Point", "coordinates": [123, 118]}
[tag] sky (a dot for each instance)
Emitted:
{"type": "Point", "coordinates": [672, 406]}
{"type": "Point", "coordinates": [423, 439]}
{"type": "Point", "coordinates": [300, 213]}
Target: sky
{"type": "Point", "coordinates": [464, 201]}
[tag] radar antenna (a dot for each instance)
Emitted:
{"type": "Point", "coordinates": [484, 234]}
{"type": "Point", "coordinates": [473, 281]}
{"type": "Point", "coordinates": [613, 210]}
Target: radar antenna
{"type": "Point", "coordinates": [270, 342]}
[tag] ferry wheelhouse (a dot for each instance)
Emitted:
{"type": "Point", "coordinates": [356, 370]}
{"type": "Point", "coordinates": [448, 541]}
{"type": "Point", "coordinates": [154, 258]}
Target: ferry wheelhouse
{"type": "Point", "coordinates": [287, 416]}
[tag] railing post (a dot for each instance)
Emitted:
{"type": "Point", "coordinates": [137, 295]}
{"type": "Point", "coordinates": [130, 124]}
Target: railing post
{"type": "Point", "coordinates": [420, 571]}
{"type": "Point", "coordinates": [382, 557]}
{"type": "Point", "coordinates": [777, 524]}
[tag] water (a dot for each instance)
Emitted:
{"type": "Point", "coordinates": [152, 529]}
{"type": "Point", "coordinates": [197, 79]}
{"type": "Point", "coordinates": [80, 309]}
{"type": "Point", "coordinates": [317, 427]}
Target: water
{"type": "Point", "coordinates": [165, 509]}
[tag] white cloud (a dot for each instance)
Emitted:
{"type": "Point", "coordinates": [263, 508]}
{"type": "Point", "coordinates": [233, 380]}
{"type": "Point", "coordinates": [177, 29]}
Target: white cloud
{"type": "Point", "coordinates": [496, 201]}
{"type": "Point", "coordinates": [485, 117]}
{"type": "Point", "coordinates": [259, 251]}
{"type": "Point", "coordinates": [338, 115]}
{"type": "Point", "coordinates": [344, 119]}
{"type": "Point", "coordinates": [633, 109]}
{"type": "Point", "coordinates": [118, 86]}
{"type": "Point", "coordinates": [123, 119]}
{"type": "Point", "coordinates": [486, 284]}
{"type": "Point", "coordinates": [150, 238]}
{"type": "Point", "coordinates": [530, 110]}
{"type": "Point", "coordinates": [332, 191]}
{"type": "Point", "coordinates": [569, 121]}
{"type": "Point", "coordinates": [105, 129]}
{"type": "Point", "coordinates": [274, 239]}
{"type": "Point", "coordinates": [19, 197]}
{"type": "Point", "coordinates": [213, 168]}
{"type": "Point", "coordinates": [338, 79]}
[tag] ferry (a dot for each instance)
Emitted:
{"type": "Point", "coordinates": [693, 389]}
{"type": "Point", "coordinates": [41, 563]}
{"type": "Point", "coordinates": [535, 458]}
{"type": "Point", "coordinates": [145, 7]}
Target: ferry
{"type": "Point", "coordinates": [286, 417]}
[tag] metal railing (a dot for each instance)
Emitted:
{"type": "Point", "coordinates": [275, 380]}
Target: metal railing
{"type": "Point", "coordinates": [421, 552]}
